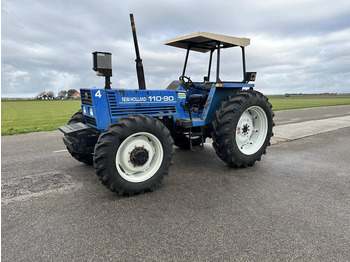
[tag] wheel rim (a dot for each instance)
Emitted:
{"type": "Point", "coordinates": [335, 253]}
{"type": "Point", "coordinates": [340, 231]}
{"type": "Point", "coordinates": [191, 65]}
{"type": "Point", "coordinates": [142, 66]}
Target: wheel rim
{"type": "Point", "coordinates": [251, 130]}
{"type": "Point", "coordinates": [139, 157]}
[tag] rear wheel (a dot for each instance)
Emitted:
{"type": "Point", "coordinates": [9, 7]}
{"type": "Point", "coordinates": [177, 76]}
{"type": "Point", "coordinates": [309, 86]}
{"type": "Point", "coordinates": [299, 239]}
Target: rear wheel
{"type": "Point", "coordinates": [87, 159]}
{"type": "Point", "coordinates": [133, 154]}
{"type": "Point", "coordinates": [243, 128]}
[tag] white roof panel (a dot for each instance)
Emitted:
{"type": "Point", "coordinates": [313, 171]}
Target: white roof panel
{"type": "Point", "coordinates": [204, 42]}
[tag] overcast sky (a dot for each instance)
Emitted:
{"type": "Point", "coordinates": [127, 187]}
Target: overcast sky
{"type": "Point", "coordinates": [297, 46]}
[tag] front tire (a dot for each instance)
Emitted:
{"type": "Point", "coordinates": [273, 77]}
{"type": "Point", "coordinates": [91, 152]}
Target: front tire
{"type": "Point", "coordinates": [133, 154]}
{"type": "Point", "coordinates": [243, 128]}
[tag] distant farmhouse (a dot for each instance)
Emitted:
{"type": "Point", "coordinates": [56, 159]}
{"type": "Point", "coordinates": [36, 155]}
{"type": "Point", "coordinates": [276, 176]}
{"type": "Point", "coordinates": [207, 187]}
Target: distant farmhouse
{"type": "Point", "coordinates": [46, 96]}
{"type": "Point", "coordinates": [71, 94]}
{"type": "Point", "coordinates": [76, 95]}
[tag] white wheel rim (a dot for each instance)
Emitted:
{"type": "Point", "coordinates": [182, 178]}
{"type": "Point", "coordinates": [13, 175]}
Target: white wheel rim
{"type": "Point", "coordinates": [125, 164]}
{"type": "Point", "coordinates": [251, 130]}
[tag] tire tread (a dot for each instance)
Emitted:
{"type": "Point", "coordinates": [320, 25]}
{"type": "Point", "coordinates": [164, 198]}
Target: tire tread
{"type": "Point", "coordinates": [229, 112]}
{"type": "Point", "coordinates": [114, 135]}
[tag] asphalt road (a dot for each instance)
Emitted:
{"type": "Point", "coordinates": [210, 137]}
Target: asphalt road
{"type": "Point", "coordinates": [307, 114]}
{"type": "Point", "coordinates": [291, 206]}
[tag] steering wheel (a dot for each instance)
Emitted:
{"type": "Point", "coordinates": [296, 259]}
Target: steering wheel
{"type": "Point", "coordinates": [187, 80]}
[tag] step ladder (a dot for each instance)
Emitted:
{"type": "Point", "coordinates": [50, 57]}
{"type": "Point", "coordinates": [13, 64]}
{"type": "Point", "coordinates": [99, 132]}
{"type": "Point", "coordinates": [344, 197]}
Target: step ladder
{"type": "Point", "coordinates": [193, 135]}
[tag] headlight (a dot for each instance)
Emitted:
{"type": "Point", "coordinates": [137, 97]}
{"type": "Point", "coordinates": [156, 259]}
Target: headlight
{"type": "Point", "coordinates": [84, 110]}
{"type": "Point", "coordinates": [91, 112]}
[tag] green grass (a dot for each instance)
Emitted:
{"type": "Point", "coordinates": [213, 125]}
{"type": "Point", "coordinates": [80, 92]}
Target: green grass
{"type": "Point", "coordinates": [35, 115]}
{"type": "Point", "coordinates": [24, 116]}
{"type": "Point", "coordinates": [306, 101]}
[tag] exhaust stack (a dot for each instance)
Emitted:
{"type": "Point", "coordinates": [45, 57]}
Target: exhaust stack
{"type": "Point", "coordinates": [139, 66]}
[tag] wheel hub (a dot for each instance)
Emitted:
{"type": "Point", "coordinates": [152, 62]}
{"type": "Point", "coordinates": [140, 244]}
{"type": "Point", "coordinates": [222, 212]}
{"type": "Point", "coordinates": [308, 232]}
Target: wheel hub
{"type": "Point", "coordinates": [245, 129]}
{"type": "Point", "coordinates": [139, 156]}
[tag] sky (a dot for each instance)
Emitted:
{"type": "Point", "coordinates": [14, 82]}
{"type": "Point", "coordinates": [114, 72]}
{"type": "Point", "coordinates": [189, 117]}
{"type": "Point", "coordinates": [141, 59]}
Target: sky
{"type": "Point", "coordinates": [297, 46]}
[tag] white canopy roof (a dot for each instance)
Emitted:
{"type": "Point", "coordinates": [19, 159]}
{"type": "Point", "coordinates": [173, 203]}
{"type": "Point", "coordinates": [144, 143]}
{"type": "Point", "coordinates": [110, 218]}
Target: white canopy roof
{"type": "Point", "coordinates": [204, 42]}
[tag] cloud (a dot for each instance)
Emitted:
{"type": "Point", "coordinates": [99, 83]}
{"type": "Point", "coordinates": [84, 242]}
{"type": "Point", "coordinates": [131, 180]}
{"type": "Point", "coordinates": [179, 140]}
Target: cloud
{"type": "Point", "coordinates": [305, 64]}
{"type": "Point", "coordinates": [14, 78]}
{"type": "Point", "coordinates": [296, 46]}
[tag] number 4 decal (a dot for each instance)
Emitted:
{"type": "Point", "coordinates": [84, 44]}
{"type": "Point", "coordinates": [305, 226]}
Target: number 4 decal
{"type": "Point", "coordinates": [98, 94]}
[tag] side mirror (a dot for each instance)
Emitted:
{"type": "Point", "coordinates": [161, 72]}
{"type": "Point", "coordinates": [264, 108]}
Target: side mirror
{"type": "Point", "coordinates": [249, 76]}
{"type": "Point", "coordinates": [102, 63]}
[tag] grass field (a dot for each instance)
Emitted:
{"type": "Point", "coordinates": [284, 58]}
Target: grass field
{"type": "Point", "coordinates": [305, 101]}
{"type": "Point", "coordinates": [37, 115]}
{"type": "Point", "coordinates": [24, 116]}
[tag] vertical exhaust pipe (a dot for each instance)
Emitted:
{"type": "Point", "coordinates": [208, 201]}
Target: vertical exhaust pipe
{"type": "Point", "coordinates": [139, 66]}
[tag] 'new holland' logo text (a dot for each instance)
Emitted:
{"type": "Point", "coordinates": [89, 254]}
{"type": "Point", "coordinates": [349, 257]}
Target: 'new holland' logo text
{"type": "Point", "coordinates": [134, 99]}
{"type": "Point", "coordinates": [148, 99]}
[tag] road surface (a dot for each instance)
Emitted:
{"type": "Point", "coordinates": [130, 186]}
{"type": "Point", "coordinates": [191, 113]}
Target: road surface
{"type": "Point", "coordinates": [291, 206]}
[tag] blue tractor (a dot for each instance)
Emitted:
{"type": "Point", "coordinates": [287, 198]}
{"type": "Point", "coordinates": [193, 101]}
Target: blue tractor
{"type": "Point", "coordinates": [129, 135]}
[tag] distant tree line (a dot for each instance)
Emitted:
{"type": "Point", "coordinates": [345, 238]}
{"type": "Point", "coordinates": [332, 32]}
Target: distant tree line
{"type": "Point", "coordinates": [63, 94]}
{"type": "Point", "coordinates": [307, 94]}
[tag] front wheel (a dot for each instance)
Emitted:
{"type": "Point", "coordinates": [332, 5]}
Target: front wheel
{"type": "Point", "coordinates": [243, 128]}
{"type": "Point", "coordinates": [133, 154]}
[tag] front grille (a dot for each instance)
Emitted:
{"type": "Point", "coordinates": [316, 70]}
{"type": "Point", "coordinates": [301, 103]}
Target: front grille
{"type": "Point", "coordinates": [86, 97]}
{"type": "Point", "coordinates": [90, 120]}
{"type": "Point", "coordinates": [120, 111]}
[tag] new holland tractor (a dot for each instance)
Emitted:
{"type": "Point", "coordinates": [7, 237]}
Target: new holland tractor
{"type": "Point", "coordinates": [129, 135]}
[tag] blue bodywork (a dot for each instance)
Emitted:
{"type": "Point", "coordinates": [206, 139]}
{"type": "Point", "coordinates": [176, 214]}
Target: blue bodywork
{"type": "Point", "coordinates": [101, 107]}
{"type": "Point", "coordinates": [186, 108]}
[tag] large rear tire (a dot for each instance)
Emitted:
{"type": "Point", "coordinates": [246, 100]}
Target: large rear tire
{"type": "Point", "coordinates": [133, 154]}
{"type": "Point", "coordinates": [87, 159]}
{"type": "Point", "coordinates": [243, 128]}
